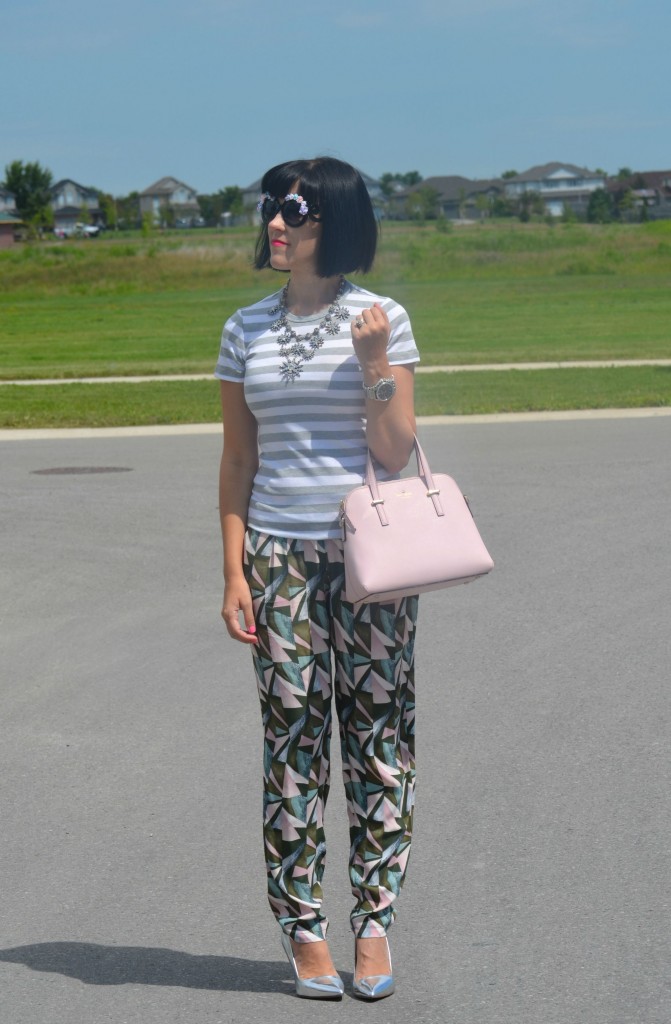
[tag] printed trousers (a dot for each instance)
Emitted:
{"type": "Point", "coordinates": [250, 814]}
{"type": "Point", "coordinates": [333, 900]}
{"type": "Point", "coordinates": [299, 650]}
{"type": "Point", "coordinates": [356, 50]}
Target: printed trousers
{"type": "Point", "coordinates": [312, 642]}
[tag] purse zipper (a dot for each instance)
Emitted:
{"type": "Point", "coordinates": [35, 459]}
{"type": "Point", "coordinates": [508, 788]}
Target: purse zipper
{"type": "Point", "coordinates": [345, 521]}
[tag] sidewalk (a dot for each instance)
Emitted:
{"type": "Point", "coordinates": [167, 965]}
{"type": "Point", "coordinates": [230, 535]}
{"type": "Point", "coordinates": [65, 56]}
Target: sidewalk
{"type": "Point", "coordinates": [593, 364]}
{"type": "Point", "coordinates": [186, 429]}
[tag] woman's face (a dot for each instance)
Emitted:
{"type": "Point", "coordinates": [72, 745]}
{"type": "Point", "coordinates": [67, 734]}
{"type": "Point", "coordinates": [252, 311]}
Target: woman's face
{"type": "Point", "coordinates": [293, 248]}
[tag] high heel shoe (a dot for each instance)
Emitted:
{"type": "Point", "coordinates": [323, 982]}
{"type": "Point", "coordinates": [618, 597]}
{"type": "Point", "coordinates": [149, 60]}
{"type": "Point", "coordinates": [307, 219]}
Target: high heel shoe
{"type": "Point", "coordinates": [375, 986]}
{"type": "Point", "coordinates": [326, 986]}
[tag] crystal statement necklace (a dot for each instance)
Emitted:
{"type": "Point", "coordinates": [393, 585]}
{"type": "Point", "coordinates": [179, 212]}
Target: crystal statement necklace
{"type": "Point", "coordinates": [295, 350]}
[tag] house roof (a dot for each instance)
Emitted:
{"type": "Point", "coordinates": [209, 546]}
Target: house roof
{"type": "Point", "coordinates": [486, 185]}
{"type": "Point", "coordinates": [68, 181]}
{"type": "Point", "coordinates": [9, 218]}
{"type": "Point", "coordinates": [543, 171]}
{"type": "Point", "coordinates": [6, 193]}
{"type": "Point", "coordinates": [165, 187]}
{"type": "Point", "coordinates": [659, 181]}
{"type": "Point", "coordinates": [453, 187]}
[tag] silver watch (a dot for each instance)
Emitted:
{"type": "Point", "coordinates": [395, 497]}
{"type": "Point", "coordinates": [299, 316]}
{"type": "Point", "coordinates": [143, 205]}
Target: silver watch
{"type": "Point", "coordinates": [382, 391]}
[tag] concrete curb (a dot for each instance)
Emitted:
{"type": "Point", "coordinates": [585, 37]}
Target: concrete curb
{"type": "Point", "coordinates": [75, 433]}
{"type": "Point", "coordinates": [592, 364]}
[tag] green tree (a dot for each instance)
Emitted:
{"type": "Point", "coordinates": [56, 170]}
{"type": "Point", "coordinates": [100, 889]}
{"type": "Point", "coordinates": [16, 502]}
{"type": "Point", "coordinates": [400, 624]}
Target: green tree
{"type": "Point", "coordinates": [231, 200]}
{"type": "Point", "coordinates": [226, 200]}
{"type": "Point", "coordinates": [108, 208]}
{"type": "Point", "coordinates": [530, 203]}
{"type": "Point", "coordinates": [128, 210]}
{"type": "Point", "coordinates": [389, 181]}
{"type": "Point", "coordinates": [503, 206]}
{"type": "Point", "coordinates": [30, 185]}
{"type": "Point", "coordinates": [509, 174]}
{"type": "Point", "coordinates": [568, 216]}
{"type": "Point", "coordinates": [483, 204]}
{"type": "Point", "coordinates": [47, 219]}
{"type": "Point", "coordinates": [210, 209]}
{"type": "Point", "coordinates": [167, 215]}
{"type": "Point", "coordinates": [624, 173]}
{"type": "Point", "coordinates": [600, 207]}
{"type": "Point", "coordinates": [626, 205]}
{"type": "Point", "coordinates": [422, 203]}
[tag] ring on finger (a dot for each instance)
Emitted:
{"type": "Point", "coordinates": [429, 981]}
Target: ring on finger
{"type": "Point", "coordinates": [359, 322]}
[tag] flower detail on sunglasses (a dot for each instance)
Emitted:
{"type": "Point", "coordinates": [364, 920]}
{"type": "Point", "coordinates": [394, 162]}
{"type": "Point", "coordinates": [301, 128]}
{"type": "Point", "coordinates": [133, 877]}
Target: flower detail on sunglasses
{"type": "Point", "coordinates": [303, 208]}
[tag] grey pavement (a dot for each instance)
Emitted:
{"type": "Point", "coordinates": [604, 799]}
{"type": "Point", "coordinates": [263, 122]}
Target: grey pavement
{"type": "Point", "coordinates": [130, 854]}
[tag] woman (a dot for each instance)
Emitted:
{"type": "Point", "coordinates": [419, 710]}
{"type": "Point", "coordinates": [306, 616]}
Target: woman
{"type": "Point", "coordinates": [310, 377]}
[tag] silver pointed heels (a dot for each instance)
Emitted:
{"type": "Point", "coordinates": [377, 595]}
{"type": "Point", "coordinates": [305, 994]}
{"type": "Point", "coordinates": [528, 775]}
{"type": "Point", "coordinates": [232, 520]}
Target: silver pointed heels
{"type": "Point", "coordinates": [326, 986]}
{"type": "Point", "coordinates": [375, 986]}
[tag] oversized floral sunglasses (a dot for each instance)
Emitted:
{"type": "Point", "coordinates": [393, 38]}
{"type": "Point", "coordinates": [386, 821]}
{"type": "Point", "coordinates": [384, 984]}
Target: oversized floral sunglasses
{"type": "Point", "coordinates": [294, 209]}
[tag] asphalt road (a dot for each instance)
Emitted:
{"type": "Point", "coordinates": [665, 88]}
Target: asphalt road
{"type": "Point", "coordinates": [130, 854]}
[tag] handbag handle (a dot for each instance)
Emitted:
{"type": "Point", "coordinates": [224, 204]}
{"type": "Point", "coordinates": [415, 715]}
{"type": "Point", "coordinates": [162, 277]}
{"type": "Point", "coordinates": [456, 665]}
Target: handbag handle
{"type": "Point", "coordinates": [423, 470]}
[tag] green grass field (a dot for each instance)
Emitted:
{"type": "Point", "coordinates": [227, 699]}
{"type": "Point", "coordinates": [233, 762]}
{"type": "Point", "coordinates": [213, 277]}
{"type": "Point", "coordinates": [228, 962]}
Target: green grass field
{"type": "Point", "coordinates": [106, 405]}
{"type": "Point", "coordinates": [493, 292]}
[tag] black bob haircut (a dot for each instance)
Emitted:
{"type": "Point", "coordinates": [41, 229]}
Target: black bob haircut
{"type": "Point", "coordinates": [339, 200]}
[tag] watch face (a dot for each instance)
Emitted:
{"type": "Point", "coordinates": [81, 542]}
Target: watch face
{"type": "Point", "coordinates": [385, 390]}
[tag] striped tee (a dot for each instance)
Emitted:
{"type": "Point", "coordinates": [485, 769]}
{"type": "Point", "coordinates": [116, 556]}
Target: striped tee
{"type": "Point", "coordinates": [311, 431]}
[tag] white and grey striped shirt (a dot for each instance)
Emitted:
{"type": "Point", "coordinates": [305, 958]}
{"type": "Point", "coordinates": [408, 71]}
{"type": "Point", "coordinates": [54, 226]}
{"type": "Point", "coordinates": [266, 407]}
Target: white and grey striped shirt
{"type": "Point", "coordinates": [312, 440]}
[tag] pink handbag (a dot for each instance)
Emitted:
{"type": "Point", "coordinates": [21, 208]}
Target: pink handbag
{"type": "Point", "coordinates": [403, 537]}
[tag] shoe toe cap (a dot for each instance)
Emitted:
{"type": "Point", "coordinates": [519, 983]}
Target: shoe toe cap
{"type": "Point", "coordinates": [376, 986]}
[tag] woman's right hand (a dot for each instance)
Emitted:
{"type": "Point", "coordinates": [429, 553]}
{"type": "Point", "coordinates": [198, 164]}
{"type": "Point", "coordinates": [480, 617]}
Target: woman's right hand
{"type": "Point", "coordinates": [238, 599]}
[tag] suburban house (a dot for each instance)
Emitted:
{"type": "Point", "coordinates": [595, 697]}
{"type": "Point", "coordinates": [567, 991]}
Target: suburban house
{"type": "Point", "coordinates": [73, 204]}
{"type": "Point", "coordinates": [7, 204]}
{"type": "Point", "coordinates": [171, 200]}
{"type": "Point", "coordinates": [457, 198]}
{"type": "Point", "coordinates": [9, 219]}
{"type": "Point", "coordinates": [651, 189]}
{"type": "Point", "coordinates": [559, 185]}
{"type": "Point", "coordinates": [251, 194]}
{"type": "Point", "coordinates": [9, 226]}
{"type": "Point", "coordinates": [374, 189]}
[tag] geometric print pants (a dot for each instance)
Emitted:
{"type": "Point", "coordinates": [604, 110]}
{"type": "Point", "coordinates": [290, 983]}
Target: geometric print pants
{"type": "Point", "coordinates": [313, 642]}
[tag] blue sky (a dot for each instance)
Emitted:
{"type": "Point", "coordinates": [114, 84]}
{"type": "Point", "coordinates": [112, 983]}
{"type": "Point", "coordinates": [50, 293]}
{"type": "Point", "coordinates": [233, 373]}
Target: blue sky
{"type": "Point", "coordinates": [215, 91]}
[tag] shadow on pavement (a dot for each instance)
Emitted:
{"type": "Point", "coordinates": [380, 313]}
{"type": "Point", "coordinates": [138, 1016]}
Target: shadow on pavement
{"type": "Point", "coordinates": [140, 965]}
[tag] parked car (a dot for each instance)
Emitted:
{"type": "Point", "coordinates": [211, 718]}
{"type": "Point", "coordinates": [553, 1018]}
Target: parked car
{"type": "Point", "coordinates": [78, 231]}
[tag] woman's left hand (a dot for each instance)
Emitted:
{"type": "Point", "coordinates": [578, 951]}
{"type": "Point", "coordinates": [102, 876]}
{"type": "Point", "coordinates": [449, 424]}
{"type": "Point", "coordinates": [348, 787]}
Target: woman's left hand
{"type": "Point", "coordinates": [370, 336]}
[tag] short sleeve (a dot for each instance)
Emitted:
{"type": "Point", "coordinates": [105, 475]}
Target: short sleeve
{"type": "Point", "coordinates": [231, 361]}
{"type": "Point", "coordinates": [402, 347]}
